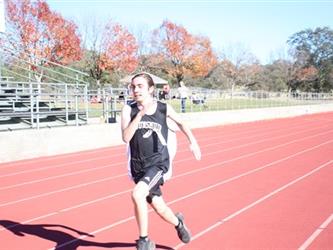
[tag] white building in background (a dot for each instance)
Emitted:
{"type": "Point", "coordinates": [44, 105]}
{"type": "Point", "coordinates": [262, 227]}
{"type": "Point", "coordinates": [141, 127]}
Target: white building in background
{"type": "Point", "coordinates": [2, 16]}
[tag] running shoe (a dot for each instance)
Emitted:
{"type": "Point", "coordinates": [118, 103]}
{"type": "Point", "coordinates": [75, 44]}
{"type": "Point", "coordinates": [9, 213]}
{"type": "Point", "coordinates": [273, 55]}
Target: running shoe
{"type": "Point", "coordinates": [145, 244]}
{"type": "Point", "coordinates": [183, 233]}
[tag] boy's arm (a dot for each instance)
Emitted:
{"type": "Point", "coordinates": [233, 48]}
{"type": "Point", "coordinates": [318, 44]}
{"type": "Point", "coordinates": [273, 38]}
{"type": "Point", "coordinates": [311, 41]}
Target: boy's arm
{"type": "Point", "coordinates": [171, 113]}
{"type": "Point", "coordinates": [129, 127]}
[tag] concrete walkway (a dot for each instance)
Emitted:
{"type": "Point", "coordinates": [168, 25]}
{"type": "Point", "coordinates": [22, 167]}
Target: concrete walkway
{"type": "Point", "coordinates": [25, 144]}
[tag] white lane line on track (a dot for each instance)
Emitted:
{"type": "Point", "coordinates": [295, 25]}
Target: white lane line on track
{"type": "Point", "coordinates": [97, 158]}
{"type": "Point", "coordinates": [174, 201]}
{"type": "Point", "coordinates": [180, 175]}
{"type": "Point", "coordinates": [251, 171]}
{"type": "Point", "coordinates": [103, 157]}
{"type": "Point", "coordinates": [61, 190]}
{"type": "Point", "coordinates": [257, 152]}
{"type": "Point", "coordinates": [54, 166]}
{"type": "Point", "coordinates": [35, 160]}
{"type": "Point", "coordinates": [244, 209]}
{"type": "Point", "coordinates": [316, 233]}
{"type": "Point", "coordinates": [51, 158]}
{"type": "Point", "coordinates": [60, 176]}
{"type": "Point", "coordinates": [95, 232]}
{"type": "Point", "coordinates": [94, 201]}
{"type": "Point", "coordinates": [184, 159]}
{"type": "Point", "coordinates": [201, 191]}
{"type": "Point", "coordinates": [262, 140]}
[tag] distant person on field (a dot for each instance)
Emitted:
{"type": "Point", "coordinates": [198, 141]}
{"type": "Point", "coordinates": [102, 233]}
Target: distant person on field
{"type": "Point", "coordinates": [121, 96]}
{"type": "Point", "coordinates": [183, 95]}
{"type": "Point", "coordinates": [166, 91]}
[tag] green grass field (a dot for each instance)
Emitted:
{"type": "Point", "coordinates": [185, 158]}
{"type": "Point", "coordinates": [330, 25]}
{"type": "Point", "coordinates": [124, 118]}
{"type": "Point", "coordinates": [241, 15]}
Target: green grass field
{"type": "Point", "coordinates": [96, 109]}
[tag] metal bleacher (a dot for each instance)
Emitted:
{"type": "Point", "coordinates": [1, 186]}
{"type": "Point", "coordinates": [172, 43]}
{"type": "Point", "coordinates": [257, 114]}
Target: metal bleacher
{"type": "Point", "coordinates": [29, 102]}
{"type": "Point", "coordinates": [37, 105]}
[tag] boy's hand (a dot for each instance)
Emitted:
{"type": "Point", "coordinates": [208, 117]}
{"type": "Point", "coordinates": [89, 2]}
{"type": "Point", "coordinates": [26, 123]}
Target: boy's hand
{"type": "Point", "coordinates": [144, 109]}
{"type": "Point", "coordinates": [196, 151]}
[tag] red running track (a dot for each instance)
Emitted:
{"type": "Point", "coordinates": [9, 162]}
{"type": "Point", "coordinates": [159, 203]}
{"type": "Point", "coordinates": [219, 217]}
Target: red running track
{"type": "Point", "coordinates": [259, 185]}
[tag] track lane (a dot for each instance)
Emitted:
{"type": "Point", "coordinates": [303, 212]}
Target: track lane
{"type": "Point", "coordinates": [98, 208]}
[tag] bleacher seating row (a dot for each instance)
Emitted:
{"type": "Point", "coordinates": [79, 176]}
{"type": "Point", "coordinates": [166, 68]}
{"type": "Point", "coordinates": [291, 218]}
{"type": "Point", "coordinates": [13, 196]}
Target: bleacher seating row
{"type": "Point", "coordinates": [38, 105]}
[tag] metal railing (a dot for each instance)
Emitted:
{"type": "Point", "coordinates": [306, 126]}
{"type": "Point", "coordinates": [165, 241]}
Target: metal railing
{"type": "Point", "coordinates": [109, 101]}
{"type": "Point", "coordinates": [213, 100]}
{"type": "Point", "coordinates": [36, 105]}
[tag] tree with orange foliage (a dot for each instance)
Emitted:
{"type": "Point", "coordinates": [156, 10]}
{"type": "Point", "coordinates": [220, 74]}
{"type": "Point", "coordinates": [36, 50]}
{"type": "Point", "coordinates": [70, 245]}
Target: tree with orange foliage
{"type": "Point", "coordinates": [117, 53]}
{"type": "Point", "coordinates": [185, 53]}
{"type": "Point", "coordinates": [303, 78]}
{"type": "Point", "coordinates": [40, 35]}
{"type": "Point", "coordinates": [240, 67]}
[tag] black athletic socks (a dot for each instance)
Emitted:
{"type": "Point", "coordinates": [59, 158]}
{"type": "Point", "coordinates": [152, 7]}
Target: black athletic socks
{"type": "Point", "coordinates": [180, 223]}
{"type": "Point", "coordinates": [145, 238]}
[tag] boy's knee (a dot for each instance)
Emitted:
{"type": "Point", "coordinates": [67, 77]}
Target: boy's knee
{"type": "Point", "coordinates": [140, 192]}
{"type": "Point", "coordinates": [160, 207]}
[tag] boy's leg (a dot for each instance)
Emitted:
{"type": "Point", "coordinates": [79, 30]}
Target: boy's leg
{"type": "Point", "coordinates": [163, 210]}
{"type": "Point", "coordinates": [177, 220]}
{"type": "Point", "coordinates": [139, 195]}
{"type": "Point", "coordinates": [150, 180]}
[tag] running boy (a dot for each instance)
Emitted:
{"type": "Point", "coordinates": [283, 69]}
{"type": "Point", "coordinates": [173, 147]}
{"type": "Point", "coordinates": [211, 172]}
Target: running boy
{"type": "Point", "coordinates": [144, 128]}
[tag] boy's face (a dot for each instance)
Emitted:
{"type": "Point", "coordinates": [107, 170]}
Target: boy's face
{"type": "Point", "coordinates": [140, 89]}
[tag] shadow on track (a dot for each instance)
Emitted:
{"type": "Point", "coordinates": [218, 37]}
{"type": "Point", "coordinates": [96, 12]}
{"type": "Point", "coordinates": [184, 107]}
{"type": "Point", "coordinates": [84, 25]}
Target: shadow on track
{"type": "Point", "coordinates": [63, 240]}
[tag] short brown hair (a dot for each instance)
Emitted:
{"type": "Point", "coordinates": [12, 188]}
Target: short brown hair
{"type": "Point", "coordinates": [146, 76]}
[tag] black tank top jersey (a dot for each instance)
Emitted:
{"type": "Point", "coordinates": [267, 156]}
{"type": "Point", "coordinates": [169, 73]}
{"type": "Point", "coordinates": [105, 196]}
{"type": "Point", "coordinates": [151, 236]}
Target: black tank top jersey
{"type": "Point", "coordinates": [148, 146]}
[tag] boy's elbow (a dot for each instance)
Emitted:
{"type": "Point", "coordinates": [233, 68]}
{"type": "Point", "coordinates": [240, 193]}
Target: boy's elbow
{"type": "Point", "coordinates": [126, 141]}
{"type": "Point", "coordinates": [125, 138]}
{"type": "Point", "coordinates": [182, 125]}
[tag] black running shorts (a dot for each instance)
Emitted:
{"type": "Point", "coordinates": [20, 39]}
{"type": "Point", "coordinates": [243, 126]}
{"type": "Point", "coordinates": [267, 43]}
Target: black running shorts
{"type": "Point", "coordinates": [153, 177]}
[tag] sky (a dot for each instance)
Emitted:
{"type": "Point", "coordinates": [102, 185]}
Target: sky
{"type": "Point", "coordinates": [260, 27]}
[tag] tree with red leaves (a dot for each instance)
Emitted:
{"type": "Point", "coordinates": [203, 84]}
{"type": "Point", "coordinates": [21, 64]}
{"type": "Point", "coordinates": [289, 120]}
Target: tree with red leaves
{"type": "Point", "coordinates": [40, 35]}
{"type": "Point", "coordinates": [117, 52]}
{"type": "Point", "coordinates": [185, 53]}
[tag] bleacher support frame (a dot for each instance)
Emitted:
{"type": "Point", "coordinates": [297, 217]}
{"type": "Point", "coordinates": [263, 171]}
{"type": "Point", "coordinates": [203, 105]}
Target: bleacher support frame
{"type": "Point", "coordinates": [36, 105]}
{"type": "Point", "coordinates": [36, 92]}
